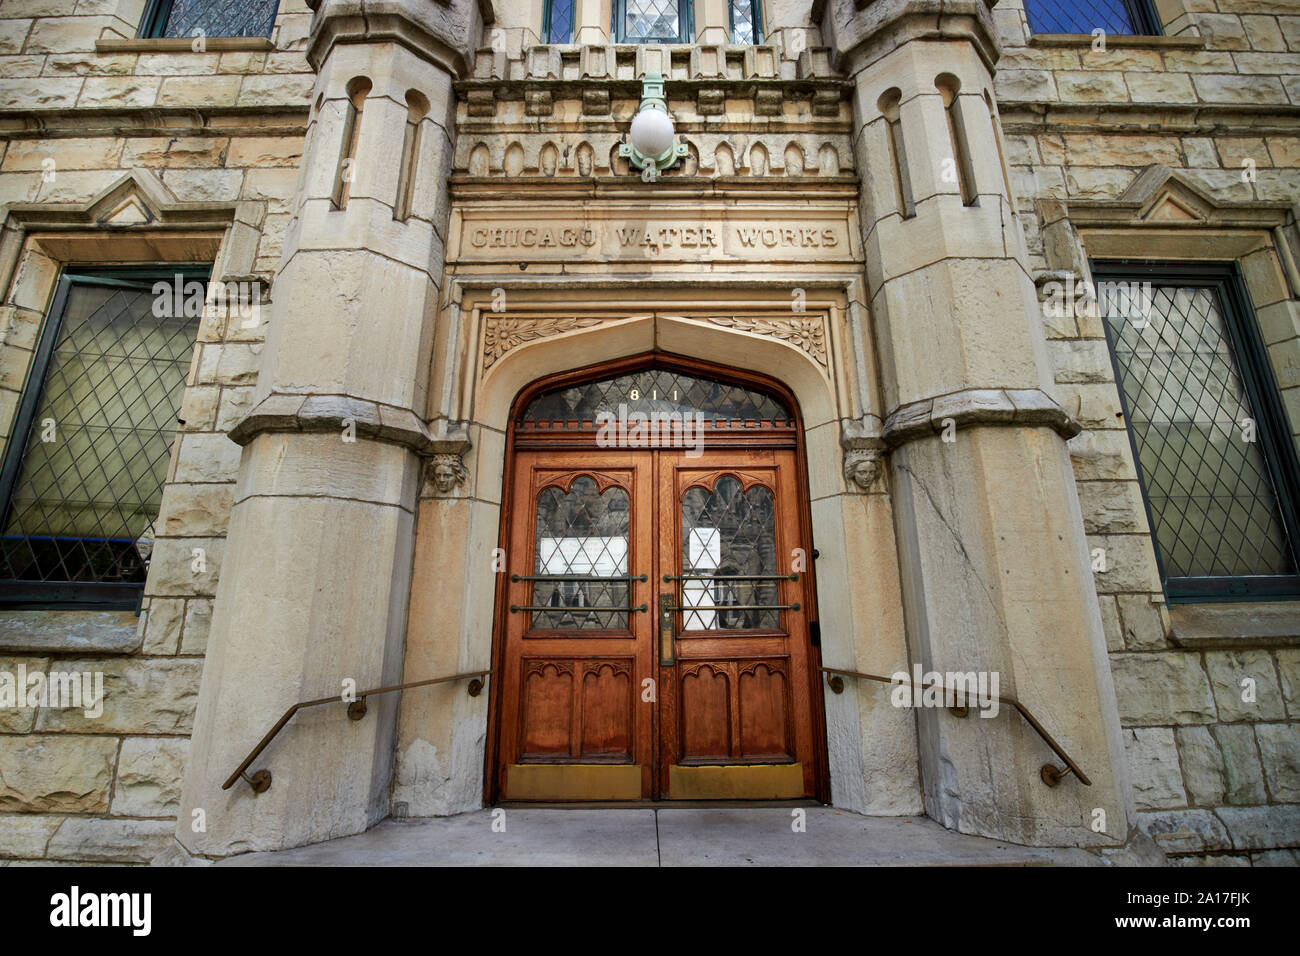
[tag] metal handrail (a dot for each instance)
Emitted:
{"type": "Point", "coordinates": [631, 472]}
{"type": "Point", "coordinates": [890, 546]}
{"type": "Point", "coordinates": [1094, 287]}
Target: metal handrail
{"type": "Point", "coordinates": [1050, 774]}
{"type": "Point", "coordinates": [261, 780]}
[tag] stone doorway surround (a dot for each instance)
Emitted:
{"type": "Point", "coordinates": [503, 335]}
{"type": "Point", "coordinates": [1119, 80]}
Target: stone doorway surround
{"type": "Point", "coordinates": [554, 324]}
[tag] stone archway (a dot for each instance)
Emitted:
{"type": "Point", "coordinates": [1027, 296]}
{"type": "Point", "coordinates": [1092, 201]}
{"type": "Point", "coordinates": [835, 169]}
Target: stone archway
{"type": "Point", "coordinates": [442, 732]}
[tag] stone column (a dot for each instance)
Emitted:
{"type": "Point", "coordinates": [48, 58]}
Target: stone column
{"type": "Point", "coordinates": [712, 21]}
{"type": "Point", "coordinates": [591, 19]}
{"type": "Point", "coordinates": [315, 583]}
{"type": "Point", "coordinates": [995, 565]}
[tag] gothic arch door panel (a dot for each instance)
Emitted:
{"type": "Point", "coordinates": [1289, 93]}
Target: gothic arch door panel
{"type": "Point", "coordinates": [653, 628]}
{"type": "Point", "coordinates": [578, 628]}
{"type": "Point", "coordinates": [734, 669]}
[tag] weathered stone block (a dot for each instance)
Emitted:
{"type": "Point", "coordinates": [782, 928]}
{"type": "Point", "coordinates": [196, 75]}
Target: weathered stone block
{"type": "Point", "coordinates": [112, 840]}
{"type": "Point", "coordinates": [149, 775]}
{"type": "Point", "coordinates": [24, 836]}
{"type": "Point", "coordinates": [1279, 751]}
{"type": "Point", "coordinates": [141, 696]}
{"type": "Point", "coordinates": [1202, 765]}
{"type": "Point", "coordinates": [1162, 689]}
{"type": "Point", "coordinates": [102, 632]}
{"type": "Point", "coordinates": [20, 719]}
{"type": "Point", "coordinates": [1185, 831]}
{"type": "Point", "coordinates": [1243, 776]}
{"type": "Point", "coordinates": [1153, 768]}
{"type": "Point", "coordinates": [1240, 674]}
{"type": "Point", "coordinates": [1262, 828]}
{"type": "Point", "coordinates": [67, 774]}
{"type": "Point", "coordinates": [196, 510]}
{"type": "Point", "coordinates": [162, 631]}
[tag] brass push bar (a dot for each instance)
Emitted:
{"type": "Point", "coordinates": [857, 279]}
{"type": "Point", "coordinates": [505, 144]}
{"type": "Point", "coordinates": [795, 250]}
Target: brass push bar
{"type": "Point", "coordinates": [730, 577]}
{"type": "Point", "coordinates": [578, 577]}
{"type": "Point", "coordinates": [1050, 774]}
{"type": "Point", "coordinates": [629, 578]}
{"type": "Point", "coordinates": [261, 780]}
{"type": "Point", "coordinates": [732, 607]}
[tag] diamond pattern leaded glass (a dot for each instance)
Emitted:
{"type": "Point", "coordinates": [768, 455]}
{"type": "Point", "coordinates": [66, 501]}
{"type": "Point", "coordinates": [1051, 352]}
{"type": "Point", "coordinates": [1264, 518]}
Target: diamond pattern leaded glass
{"type": "Point", "coordinates": [657, 391]}
{"type": "Point", "coordinates": [1211, 498]}
{"type": "Point", "coordinates": [728, 532]}
{"type": "Point", "coordinates": [229, 18]}
{"type": "Point", "coordinates": [742, 21]}
{"type": "Point", "coordinates": [651, 20]}
{"type": "Point", "coordinates": [1081, 16]}
{"type": "Point", "coordinates": [91, 480]}
{"type": "Point", "coordinates": [581, 534]}
{"type": "Point", "coordinates": [560, 19]}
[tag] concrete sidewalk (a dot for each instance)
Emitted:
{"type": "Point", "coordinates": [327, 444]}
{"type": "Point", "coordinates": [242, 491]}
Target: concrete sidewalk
{"type": "Point", "coordinates": [760, 836]}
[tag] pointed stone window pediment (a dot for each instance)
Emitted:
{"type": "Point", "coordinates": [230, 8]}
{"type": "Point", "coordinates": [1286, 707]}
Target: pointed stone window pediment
{"type": "Point", "coordinates": [1161, 196]}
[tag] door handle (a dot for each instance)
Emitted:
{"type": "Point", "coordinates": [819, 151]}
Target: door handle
{"type": "Point", "coordinates": [666, 658]}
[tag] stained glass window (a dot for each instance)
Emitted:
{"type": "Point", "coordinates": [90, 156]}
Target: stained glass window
{"type": "Point", "coordinates": [728, 557]}
{"type": "Point", "coordinates": [1119, 17]}
{"type": "Point", "coordinates": [558, 27]}
{"type": "Point", "coordinates": [746, 22]}
{"type": "Point", "coordinates": [652, 21]}
{"type": "Point", "coordinates": [85, 471]}
{"type": "Point", "coordinates": [1202, 436]}
{"type": "Point", "coordinates": [657, 391]}
{"type": "Point", "coordinates": [581, 557]}
{"type": "Point", "coordinates": [208, 18]}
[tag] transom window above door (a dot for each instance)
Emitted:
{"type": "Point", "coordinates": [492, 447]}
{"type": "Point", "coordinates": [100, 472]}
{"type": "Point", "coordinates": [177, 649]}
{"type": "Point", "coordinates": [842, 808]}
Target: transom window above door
{"type": "Point", "coordinates": [656, 392]}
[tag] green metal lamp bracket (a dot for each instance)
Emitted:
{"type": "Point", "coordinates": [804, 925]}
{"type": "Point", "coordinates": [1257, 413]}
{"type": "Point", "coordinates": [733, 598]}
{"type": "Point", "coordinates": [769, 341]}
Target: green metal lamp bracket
{"type": "Point", "coordinates": [652, 98]}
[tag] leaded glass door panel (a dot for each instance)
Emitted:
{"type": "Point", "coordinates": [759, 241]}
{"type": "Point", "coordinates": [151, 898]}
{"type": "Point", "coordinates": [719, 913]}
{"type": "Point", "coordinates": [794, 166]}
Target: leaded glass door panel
{"type": "Point", "coordinates": [734, 700]}
{"type": "Point", "coordinates": [578, 629]}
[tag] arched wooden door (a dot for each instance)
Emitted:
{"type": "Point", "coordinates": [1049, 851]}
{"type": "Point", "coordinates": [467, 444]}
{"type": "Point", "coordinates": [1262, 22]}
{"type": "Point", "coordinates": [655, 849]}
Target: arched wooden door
{"type": "Point", "coordinates": [654, 636]}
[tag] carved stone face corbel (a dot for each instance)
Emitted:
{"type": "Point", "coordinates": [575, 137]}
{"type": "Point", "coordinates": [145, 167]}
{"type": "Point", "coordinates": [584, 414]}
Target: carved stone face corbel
{"type": "Point", "coordinates": [862, 468]}
{"type": "Point", "coordinates": [443, 472]}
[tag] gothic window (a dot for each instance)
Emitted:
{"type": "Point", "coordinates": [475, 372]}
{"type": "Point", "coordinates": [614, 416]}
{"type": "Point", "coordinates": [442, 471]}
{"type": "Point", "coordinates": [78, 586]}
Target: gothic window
{"type": "Point", "coordinates": [1119, 17]}
{"type": "Point", "coordinates": [557, 24]}
{"type": "Point", "coordinates": [207, 18]}
{"type": "Point", "coordinates": [746, 21]}
{"type": "Point", "coordinates": [1214, 453]}
{"type": "Point", "coordinates": [84, 471]}
{"type": "Point", "coordinates": [652, 21]}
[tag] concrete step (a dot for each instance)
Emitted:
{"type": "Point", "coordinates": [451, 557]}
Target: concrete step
{"type": "Point", "coordinates": [759, 836]}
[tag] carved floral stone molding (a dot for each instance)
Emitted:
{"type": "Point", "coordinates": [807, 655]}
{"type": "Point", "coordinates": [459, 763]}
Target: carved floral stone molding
{"type": "Point", "coordinates": [501, 335]}
{"type": "Point", "coordinates": [807, 333]}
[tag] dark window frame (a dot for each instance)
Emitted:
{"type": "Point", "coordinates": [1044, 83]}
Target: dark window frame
{"type": "Point", "coordinates": [1259, 382]}
{"type": "Point", "coordinates": [685, 24]}
{"type": "Point", "coordinates": [154, 20]}
{"type": "Point", "coordinates": [757, 7]}
{"type": "Point", "coordinates": [1142, 13]}
{"type": "Point", "coordinates": [68, 595]}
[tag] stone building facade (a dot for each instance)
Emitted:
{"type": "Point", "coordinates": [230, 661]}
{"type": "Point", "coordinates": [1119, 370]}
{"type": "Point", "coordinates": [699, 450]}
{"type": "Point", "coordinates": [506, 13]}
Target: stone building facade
{"type": "Point", "coordinates": [887, 217]}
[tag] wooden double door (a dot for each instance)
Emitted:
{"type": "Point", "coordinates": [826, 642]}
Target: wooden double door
{"type": "Point", "coordinates": [655, 628]}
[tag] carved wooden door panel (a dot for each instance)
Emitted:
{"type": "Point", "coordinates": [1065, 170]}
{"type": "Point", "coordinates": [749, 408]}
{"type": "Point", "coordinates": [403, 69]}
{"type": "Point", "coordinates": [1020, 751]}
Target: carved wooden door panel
{"type": "Point", "coordinates": [735, 719]}
{"type": "Point", "coordinates": [578, 633]}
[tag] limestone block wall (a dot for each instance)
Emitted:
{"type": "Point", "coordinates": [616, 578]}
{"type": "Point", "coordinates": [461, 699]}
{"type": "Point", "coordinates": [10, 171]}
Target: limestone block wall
{"type": "Point", "coordinates": [1216, 779]}
{"type": "Point", "coordinates": [215, 164]}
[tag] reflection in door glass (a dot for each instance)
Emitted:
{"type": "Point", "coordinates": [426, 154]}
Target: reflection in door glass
{"type": "Point", "coordinates": [726, 535]}
{"type": "Point", "coordinates": [582, 540]}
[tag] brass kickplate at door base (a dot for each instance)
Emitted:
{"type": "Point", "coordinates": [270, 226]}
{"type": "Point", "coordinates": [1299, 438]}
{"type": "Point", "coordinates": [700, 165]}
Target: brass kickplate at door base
{"type": "Point", "coordinates": [572, 781]}
{"type": "Point", "coordinates": [764, 782]}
